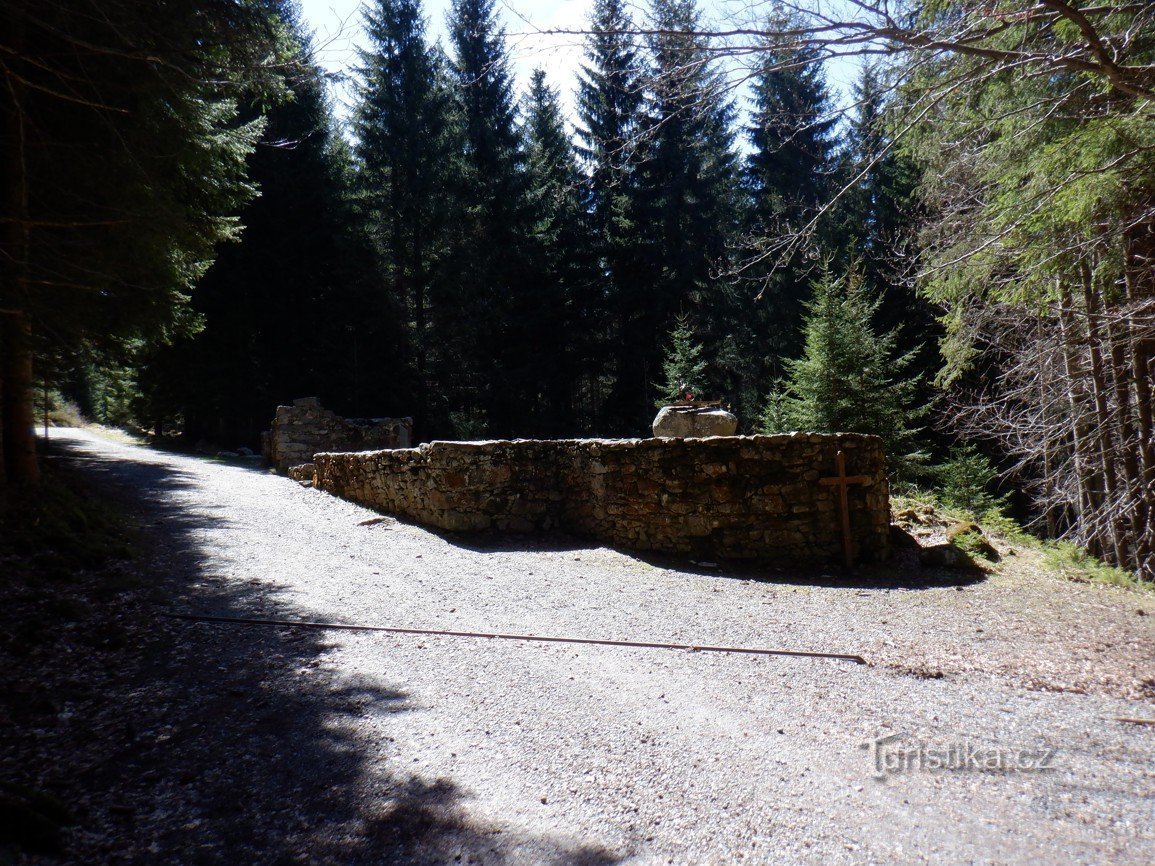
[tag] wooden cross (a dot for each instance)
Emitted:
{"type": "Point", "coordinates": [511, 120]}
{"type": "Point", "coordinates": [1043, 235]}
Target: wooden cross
{"type": "Point", "coordinates": [843, 481]}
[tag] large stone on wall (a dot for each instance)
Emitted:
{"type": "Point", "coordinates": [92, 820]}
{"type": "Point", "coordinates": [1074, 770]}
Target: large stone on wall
{"type": "Point", "coordinates": [741, 497]}
{"type": "Point", "coordinates": [686, 422]}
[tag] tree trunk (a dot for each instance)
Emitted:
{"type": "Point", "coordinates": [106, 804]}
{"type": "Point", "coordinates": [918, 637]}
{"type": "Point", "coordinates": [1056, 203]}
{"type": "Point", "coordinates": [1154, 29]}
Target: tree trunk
{"type": "Point", "coordinates": [17, 418]}
{"type": "Point", "coordinates": [1088, 498]}
{"type": "Point", "coordinates": [1140, 290]}
{"type": "Point", "coordinates": [20, 466]}
{"type": "Point", "coordinates": [1104, 430]}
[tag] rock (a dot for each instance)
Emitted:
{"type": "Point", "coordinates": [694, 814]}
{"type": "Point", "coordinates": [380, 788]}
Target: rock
{"type": "Point", "coordinates": [969, 536]}
{"type": "Point", "coordinates": [245, 452]}
{"type": "Point", "coordinates": [945, 556]}
{"type": "Point", "coordinates": [303, 472]}
{"type": "Point", "coordinates": [688, 423]}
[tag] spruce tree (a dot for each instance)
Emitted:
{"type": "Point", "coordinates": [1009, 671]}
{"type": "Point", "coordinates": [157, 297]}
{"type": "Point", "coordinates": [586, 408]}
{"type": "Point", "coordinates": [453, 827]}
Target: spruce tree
{"type": "Point", "coordinates": [408, 145]}
{"type": "Point", "coordinates": [684, 369]}
{"type": "Point", "coordinates": [124, 162]}
{"type": "Point", "coordinates": [289, 310]}
{"type": "Point", "coordinates": [789, 172]}
{"type": "Point", "coordinates": [496, 371]}
{"type": "Point", "coordinates": [687, 200]}
{"type": "Point", "coordinates": [562, 305]}
{"type": "Point", "coordinates": [609, 108]}
{"type": "Point", "coordinates": [849, 379]}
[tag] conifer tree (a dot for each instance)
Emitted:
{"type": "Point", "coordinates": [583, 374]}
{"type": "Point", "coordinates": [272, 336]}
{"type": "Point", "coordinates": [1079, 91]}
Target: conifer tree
{"type": "Point", "coordinates": [609, 107]}
{"type": "Point", "coordinates": [789, 172]}
{"type": "Point", "coordinates": [684, 369]}
{"type": "Point", "coordinates": [496, 371]}
{"type": "Point", "coordinates": [687, 199]}
{"type": "Point", "coordinates": [849, 378]}
{"type": "Point", "coordinates": [124, 166]}
{"type": "Point", "coordinates": [408, 144]}
{"type": "Point", "coordinates": [880, 212]}
{"type": "Point", "coordinates": [561, 257]}
{"type": "Point", "coordinates": [289, 310]}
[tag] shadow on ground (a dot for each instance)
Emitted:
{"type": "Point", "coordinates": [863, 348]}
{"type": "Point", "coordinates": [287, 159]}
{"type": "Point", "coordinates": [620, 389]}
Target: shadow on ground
{"type": "Point", "coordinates": [904, 570]}
{"type": "Point", "coordinates": [177, 742]}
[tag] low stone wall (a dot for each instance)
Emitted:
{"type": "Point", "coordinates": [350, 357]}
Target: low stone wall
{"type": "Point", "coordinates": [743, 497]}
{"type": "Point", "coordinates": [301, 430]}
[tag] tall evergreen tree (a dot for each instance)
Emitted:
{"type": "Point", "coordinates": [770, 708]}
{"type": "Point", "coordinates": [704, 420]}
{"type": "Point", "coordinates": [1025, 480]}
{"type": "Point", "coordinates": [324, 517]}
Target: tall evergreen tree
{"type": "Point", "coordinates": [879, 216]}
{"type": "Point", "coordinates": [407, 147]}
{"type": "Point", "coordinates": [789, 172]}
{"type": "Point", "coordinates": [561, 304]}
{"type": "Point", "coordinates": [289, 310]}
{"type": "Point", "coordinates": [124, 166]}
{"type": "Point", "coordinates": [497, 372]}
{"type": "Point", "coordinates": [609, 107]}
{"type": "Point", "coordinates": [687, 200]}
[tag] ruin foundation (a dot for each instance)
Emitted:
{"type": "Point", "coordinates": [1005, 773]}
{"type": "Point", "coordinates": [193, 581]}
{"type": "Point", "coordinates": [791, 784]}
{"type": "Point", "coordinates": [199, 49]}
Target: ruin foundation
{"type": "Point", "coordinates": [741, 497]}
{"type": "Point", "coordinates": [301, 430]}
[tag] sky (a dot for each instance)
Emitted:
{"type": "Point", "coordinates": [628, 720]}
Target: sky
{"type": "Point", "coordinates": [337, 29]}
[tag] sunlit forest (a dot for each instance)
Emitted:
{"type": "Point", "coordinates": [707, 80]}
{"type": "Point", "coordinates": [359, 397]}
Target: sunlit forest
{"type": "Point", "coordinates": [956, 254]}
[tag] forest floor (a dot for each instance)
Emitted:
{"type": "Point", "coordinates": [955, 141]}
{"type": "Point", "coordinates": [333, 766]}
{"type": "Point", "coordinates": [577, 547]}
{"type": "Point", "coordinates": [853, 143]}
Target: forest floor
{"type": "Point", "coordinates": [160, 740]}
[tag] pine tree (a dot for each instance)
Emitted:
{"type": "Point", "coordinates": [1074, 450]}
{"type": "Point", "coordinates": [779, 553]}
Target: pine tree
{"type": "Point", "coordinates": [849, 378]}
{"type": "Point", "coordinates": [408, 145]}
{"type": "Point", "coordinates": [561, 257]}
{"type": "Point", "coordinates": [496, 371]}
{"type": "Point", "coordinates": [609, 107]}
{"type": "Point", "coordinates": [687, 201]}
{"type": "Point", "coordinates": [124, 164]}
{"type": "Point", "coordinates": [683, 368]}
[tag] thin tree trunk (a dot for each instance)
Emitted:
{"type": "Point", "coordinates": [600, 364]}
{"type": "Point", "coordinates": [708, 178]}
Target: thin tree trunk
{"type": "Point", "coordinates": [16, 410]}
{"type": "Point", "coordinates": [1104, 429]}
{"type": "Point", "coordinates": [1088, 500]}
{"type": "Point", "coordinates": [20, 466]}
{"type": "Point", "coordinates": [1141, 374]}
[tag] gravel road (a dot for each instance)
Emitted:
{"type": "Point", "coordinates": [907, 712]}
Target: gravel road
{"type": "Point", "coordinates": [289, 745]}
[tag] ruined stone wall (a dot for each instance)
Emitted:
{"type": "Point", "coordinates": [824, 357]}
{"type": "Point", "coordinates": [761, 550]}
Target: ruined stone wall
{"type": "Point", "coordinates": [301, 430]}
{"type": "Point", "coordinates": [745, 497]}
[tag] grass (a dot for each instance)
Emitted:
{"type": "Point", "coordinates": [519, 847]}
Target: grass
{"type": "Point", "coordinates": [1074, 563]}
{"type": "Point", "coordinates": [59, 527]}
{"type": "Point", "coordinates": [1063, 558]}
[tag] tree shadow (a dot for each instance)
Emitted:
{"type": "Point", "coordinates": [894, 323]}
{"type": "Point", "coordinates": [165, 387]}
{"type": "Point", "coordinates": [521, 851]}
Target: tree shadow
{"type": "Point", "coordinates": [182, 742]}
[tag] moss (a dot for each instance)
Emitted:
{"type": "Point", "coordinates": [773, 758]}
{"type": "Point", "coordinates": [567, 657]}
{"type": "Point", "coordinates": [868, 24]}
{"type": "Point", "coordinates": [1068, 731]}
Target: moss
{"type": "Point", "coordinates": [1074, 563]}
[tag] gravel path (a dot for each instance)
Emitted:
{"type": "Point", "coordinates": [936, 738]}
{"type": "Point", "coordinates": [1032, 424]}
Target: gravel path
{"type": "Point", "coordinates": [286, 745]}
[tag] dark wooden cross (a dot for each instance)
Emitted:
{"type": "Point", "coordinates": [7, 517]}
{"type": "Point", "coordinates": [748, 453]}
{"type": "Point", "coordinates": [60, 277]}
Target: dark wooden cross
{"type": "Point", "coordinates": [843, 481]}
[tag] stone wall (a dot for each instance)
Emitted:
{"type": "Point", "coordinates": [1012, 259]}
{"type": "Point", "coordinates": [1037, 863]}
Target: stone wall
{"type": "Point", "coordinates": [745, 497]}
{"type": "Point", "coordinates": [301, 430]}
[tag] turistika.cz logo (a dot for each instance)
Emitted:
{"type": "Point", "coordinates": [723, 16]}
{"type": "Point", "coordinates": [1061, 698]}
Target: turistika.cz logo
{"type": "Point", "coordinates": [893, 754]}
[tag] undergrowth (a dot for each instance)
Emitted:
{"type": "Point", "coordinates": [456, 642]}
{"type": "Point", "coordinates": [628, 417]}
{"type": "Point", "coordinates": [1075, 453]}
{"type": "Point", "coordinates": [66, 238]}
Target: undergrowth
{"type": "Point", "coordinates": [1064, 558]}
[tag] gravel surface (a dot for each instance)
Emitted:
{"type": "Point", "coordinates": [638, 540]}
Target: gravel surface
{"type": "Point", "coordinates": [262, 744]}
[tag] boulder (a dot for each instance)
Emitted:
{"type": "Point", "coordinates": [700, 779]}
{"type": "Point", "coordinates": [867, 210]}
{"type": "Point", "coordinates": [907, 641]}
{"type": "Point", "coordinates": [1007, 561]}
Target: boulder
{"type": "Point", "coordinates": [691, 422]}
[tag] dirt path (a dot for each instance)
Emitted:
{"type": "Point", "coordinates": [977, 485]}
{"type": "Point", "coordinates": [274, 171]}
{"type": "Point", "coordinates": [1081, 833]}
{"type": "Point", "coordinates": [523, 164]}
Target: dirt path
{"type": "Point", "coordinates": [243, 744]}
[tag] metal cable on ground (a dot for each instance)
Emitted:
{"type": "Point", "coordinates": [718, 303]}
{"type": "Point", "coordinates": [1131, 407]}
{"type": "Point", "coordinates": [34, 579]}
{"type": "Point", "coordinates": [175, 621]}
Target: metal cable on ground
{"type": "Point", "coordinates": [522, 637]}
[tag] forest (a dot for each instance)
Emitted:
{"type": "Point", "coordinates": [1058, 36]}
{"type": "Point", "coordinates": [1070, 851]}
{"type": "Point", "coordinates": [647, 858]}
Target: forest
{"type": "Point", "coordinates": [958, 255]}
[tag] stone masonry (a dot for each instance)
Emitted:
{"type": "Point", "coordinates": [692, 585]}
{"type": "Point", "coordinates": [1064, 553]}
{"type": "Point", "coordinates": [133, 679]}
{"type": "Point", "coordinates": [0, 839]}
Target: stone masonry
{"type": "Point", "coordinates": [301, 430]}
{"type": "Point", "coordinates": [742, 497]}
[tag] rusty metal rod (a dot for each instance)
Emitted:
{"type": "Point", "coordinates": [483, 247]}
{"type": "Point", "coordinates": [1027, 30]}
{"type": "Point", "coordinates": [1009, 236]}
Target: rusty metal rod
{"type": "Point", "coordinates": [527, 637]}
